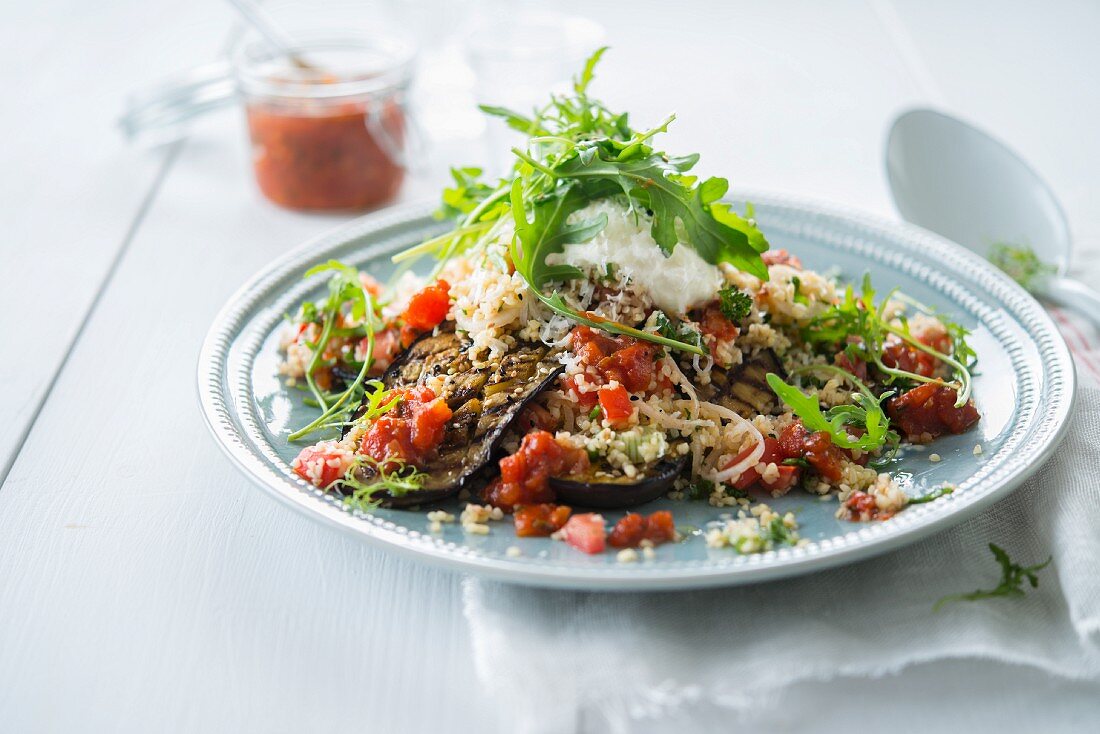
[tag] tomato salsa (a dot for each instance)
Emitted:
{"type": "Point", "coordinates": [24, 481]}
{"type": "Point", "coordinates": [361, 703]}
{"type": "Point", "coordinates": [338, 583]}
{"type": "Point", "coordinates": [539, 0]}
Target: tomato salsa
{"type": "Point", "coordinates": [323, 157]}
{"type": "Point", "coordinates": [410, 432]}
{"type": "Point", "coordinates": [525, 475]}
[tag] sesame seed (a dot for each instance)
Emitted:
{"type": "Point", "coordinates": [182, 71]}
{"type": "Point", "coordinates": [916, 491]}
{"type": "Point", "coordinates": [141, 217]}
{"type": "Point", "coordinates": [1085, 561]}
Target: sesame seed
{"type": "Point", "coordinates": [977, 449]}
{"type": "Point", "coordinates": [513, 551]}
{"type": "Point", "coordinates": [934, 458]}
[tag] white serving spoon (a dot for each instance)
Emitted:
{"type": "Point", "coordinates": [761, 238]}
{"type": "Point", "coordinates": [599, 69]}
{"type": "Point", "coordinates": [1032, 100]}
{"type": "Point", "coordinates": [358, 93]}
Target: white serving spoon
{"type": "Point", "coordinates": [957, 181]}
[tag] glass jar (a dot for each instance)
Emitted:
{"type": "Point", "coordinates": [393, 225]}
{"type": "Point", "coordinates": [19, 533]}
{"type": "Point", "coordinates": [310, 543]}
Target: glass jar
{"type": "Point", "coordinates": [328, 122]}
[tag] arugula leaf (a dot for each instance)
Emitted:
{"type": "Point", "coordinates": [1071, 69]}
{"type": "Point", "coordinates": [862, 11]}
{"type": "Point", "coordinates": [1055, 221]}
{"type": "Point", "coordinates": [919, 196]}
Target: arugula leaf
{"type": "Point", "coordinates": [860, 327]}
{"type": "Point", "coordinates": [734, 304]}
{"type": "Point", "coordinates": [547, 233]}
{"type": "Point", "coordinates": [652, 182]}
{"type": "Point", "coordinates": [1013, 577]}
{"type": "Point", "coordinates": [867, 415]}
{"type": "Point", "coordinates": [580, 84]}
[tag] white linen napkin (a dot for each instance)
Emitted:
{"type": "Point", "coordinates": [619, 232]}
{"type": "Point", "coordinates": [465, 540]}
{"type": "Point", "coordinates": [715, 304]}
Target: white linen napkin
{"type": "Point", "coordinates": [554, 658]}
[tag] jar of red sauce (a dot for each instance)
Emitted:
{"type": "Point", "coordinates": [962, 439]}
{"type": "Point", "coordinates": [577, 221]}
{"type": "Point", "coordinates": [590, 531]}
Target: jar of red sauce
{"type": "Point", "coordinates": [327, 123]}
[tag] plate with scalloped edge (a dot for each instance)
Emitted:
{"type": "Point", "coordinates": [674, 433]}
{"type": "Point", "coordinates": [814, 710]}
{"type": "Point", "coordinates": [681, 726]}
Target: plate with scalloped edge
{"type": "Point", "coordinates": [1024, 388]}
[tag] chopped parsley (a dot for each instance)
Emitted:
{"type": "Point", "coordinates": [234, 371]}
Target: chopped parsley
{"type": "Point", "coordinates": [1013, 577]}
{"type": "Point", "coordinates": [734, 304]}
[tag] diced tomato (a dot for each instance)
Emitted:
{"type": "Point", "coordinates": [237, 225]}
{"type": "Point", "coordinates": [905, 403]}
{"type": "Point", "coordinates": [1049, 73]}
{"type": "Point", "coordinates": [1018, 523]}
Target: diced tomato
{"type": "Point", "coordinates": [851, 364]}
{"type": "Point", "coordinates": [535, 417]}
{"type": "Point", "coordinates": [750, 476]}
{"type": "Point", "coordinates": [632, 366]}
{"type": "Point", "coordinates": [659, 527]}
{"type": "Point", "coordinates": [387, 344]}
{"type": "Point", "coordinates": [323, 463]}
{"type": "Point", "coordinates": [540, 520]}
{"type": "Point", "coordinates": [632, 529]}
{"type": "Point", "coordinates": [586, 400]}
{"type": "Point", "coordinates": [713, 322]}
{"type": "Point", "coordinates": [630, 362]}
{"type": "Point", "coordinates": [788, 477]}
{"type": "Point", "coordinates": [586, 533]}
{"type": "Point", "coordinates": [628, 531]}
{"type": "Point", "coordinates": [816, 448]}
{"type": "Point", "coordinates": [525, 475]}
{"type": "Point", "coordinates": [860, 506]}
{"type": "Point", "coordinates": [615, 405]}
{"type": "Point", "coordinates": [781, 257]}
{"type": "Point", "coordinates": [411, 431]}
{"type": "Point", "coordinates": [426, 310]}
{"type": "Point", "coordinates": [773, 454]}
{"type": "Point", "coordinates": [428, 307]}
{"type": "Point", "coordinates": [928, 411]}
{"type": "Point", "coordinates": [902, 355]}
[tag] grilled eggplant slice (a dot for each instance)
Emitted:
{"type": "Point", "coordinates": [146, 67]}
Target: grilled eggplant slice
{"type": "Point", "coordinates": [744, 389]}
{"type": "Point", "coordinates": [612, 494]}
{"type": "Point", "coordinates": [484, 400]}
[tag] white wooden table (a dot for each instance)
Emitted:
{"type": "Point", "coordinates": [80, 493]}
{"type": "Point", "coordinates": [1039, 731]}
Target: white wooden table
{"type": "Point", "coordinates": [146, 586]}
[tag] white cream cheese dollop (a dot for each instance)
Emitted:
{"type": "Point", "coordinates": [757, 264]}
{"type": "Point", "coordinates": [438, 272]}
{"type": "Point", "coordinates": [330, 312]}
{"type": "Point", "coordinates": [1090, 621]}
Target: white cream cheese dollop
{"type": "Point", "coordinates": [675, 283]}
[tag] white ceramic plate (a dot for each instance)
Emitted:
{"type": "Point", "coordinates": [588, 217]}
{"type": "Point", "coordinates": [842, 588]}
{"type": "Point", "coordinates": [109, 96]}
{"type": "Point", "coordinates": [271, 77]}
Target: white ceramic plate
{"type": "Point", "coordinates": [1024, 388]}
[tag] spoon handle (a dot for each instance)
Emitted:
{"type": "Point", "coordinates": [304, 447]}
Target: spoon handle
{"type": "Point", "coordinates": [1075, 295]}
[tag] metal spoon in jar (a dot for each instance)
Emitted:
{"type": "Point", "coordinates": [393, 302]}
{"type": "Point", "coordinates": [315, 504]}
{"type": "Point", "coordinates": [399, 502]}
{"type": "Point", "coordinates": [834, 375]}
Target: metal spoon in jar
{"type": "Point", "coordinates": [276, 37]}
{"type": "Point", "coordinates": [955, 180]}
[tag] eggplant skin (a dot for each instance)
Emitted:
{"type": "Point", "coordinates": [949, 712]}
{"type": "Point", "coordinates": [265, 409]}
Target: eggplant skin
{"type": "Point", "coordinates": [621, 493]}
{"type": "Point", "coordinates": [744, 389]}
{"type": "Point", "coordinates": [484, 401]}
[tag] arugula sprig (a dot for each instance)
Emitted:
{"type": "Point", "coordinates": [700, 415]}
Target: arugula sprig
{"type": "Point", "coordinates": [1013, 577]}
{"type": "Point", "coordinates": [861, 324]}
{"type": "Point", "coordinates": [1020, 263]}
{"type": "Point", "coordinates": [392, 481]}
{"type": "Point", "coordinates": [866, 417]}
{"type": "Point", "coordinates": [935, 494]}
{"type": "Point", "coordinates": [348, 301]}
{"type": "Point", "coordinates": [579, 151]}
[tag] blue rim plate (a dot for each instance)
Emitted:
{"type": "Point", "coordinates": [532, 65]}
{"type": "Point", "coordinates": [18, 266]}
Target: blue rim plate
{"type": "Point", "coordinates": [1024, 388]}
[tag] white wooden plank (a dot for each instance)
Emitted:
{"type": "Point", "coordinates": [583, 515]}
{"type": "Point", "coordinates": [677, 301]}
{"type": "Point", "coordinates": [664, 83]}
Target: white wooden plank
{"type": "Point", "coordinates": [145, 577]}
{"type": "Point", "coordinates": [71, 189]}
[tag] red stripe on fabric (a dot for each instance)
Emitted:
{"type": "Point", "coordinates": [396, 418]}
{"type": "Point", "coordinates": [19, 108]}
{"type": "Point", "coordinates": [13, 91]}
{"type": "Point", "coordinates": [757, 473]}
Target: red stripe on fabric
{"type": "Point", "coordinates": [1081, 351]}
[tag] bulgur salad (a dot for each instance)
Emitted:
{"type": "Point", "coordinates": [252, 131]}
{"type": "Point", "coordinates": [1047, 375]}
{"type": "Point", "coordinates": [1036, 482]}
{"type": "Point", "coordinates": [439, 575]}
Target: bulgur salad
{"type": "Point", "coordinates": [598, 330]}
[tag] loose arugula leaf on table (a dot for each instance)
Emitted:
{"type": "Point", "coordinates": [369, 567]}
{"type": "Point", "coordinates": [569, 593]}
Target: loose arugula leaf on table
{"type": "Point", "coordinates": [1013, 577]}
